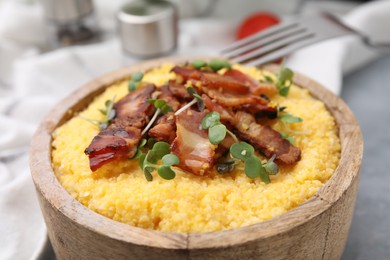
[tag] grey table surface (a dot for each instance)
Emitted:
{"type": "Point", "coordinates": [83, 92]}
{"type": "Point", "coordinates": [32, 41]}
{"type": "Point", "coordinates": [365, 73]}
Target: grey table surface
{"type": "Point", "coordinates": [367, 92]}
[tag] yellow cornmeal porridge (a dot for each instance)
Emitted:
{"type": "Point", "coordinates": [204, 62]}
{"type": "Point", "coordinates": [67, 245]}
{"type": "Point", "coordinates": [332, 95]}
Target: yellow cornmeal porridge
{"type": "Point", "coordinates": [190, 203]}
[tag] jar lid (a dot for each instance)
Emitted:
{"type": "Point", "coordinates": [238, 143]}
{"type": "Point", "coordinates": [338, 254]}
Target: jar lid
{"type": "Point", "coordinates": [148, 28]}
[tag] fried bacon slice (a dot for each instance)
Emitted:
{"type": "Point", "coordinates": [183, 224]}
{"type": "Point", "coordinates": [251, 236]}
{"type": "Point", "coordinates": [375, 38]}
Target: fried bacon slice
{"type": "Point", "coordinates": [186, 73]}
{"type": "Point", "coordinates": [255, 86]}
{"type": "Point", "coordinates": [178, 90]}
{"type": "Point", "coordinates": [120, 139]}
{"type": "Point", "coordinates": [227, 90]}
{"type": "Point", "coordinates": [166, 94]}
{"type": "Point", "coordinates": [211, 80]}
{"type": "Point", "coordinates": [192, 144]}
{"type": "Point", "coordinates": [165, 128]}
{"type": "Point", "coordinates": [226, 114]}
{"type": "Point", "coordinates": [265, 139]}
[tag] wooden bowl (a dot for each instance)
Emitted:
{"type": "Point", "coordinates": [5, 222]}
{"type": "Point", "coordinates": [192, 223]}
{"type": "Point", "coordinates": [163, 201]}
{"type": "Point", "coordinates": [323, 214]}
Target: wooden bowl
{"type": "Point", "coordinates": [317, 229]}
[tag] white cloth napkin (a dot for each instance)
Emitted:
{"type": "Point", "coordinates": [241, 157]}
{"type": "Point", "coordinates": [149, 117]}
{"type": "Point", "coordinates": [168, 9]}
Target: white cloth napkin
{"type": "Point", "coordinates": [30, 84]}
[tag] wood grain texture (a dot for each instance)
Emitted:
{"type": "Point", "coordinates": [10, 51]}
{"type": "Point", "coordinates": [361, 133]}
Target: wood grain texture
{"type": "Point", "coordinates": [317, 229]}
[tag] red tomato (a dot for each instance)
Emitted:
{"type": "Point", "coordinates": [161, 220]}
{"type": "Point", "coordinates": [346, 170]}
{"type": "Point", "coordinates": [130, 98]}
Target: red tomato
{"type": "Point", "coordinates": [256, 23]}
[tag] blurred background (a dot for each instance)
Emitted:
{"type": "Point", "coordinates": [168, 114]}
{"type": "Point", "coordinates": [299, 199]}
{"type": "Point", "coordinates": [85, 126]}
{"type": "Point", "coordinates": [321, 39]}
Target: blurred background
{"type": "Point", "coordinates": [48, 48]}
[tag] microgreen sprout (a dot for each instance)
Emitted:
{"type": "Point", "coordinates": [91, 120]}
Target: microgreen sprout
{"type": "Point", "coordinates": [253, 167]}
{"type": "Point", "coordinates": [135, 79]}
{"type": "Point", "coordinates": [198, 64]}
{"type": "Point", "coordinates": [270, 166]}
{"type": "Point", "coordinates": [216, 65]}
{"type": "Point", "coordinates": [108, 112]}
{"type": "Point", "coordinates": [288, 118]}
{"type": "Point", "coordinates": [161, 107]}
{"type": "Point", "coordinates": [148, 162]}
{"type": "Point", "coordinates": [197, 100]}
{"type": "Point", "coordinates": [284, 80]}
{"type": "Point", "coordinates": [141, 144]}
{"type": "Point", "coordinates": [268, 79]}
{"type": "Point", "coordinates": [217, 131]}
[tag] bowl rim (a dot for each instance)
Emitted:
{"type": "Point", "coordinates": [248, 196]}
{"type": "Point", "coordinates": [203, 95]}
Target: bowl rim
{"type": "Point", "coordinates": [48, 185]}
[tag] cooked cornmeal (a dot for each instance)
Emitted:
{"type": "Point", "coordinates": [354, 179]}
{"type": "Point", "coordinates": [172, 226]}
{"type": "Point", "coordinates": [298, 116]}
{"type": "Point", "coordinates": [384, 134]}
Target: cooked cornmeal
{"type": "Point", "coordinates": [191, 203]}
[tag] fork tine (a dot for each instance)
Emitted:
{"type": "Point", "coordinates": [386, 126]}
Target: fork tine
{"type": "Point", "coordinates": [271, 30]}
{"type": "Point", "coordinates": [263, 41]}
{"type": "Point", "coordinates": [272, 46]}
{"type": "Point", "coordinates": [281, 52]}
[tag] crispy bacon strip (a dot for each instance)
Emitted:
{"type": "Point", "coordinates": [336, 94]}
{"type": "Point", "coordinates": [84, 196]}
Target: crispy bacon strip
{"type": "Point", "coordinates": [167, 96]}
{"type": "Point", "coordinates": [228, 84]}
{"type": "Point", "coordinates": [254, 104]}
{"type": "Point", "coordinates": [165, 128]}
{"type": "Point", "coordinates": [227, 90]}
{"type": "Point", "coordinates": [186, 73]}
{"type": "Point", "coordinates": [226, 114]}
{"type": "Point", "coordinates": [192, 144]}
{"type": "Point", "coordinates": [120, 139]}
{"type": "Point", "coordinates": [178, 90]}
{"type": "Point", "coordinates": [211, 80]}
{"type": "Point", "coordinates": [265, 139]}
{"type": "Point", "coordinates": [255, 86]}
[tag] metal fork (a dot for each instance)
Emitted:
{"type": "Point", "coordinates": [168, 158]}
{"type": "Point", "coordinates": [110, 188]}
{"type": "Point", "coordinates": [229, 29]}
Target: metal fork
{"type": "Point", "coordinates": [287, 37]}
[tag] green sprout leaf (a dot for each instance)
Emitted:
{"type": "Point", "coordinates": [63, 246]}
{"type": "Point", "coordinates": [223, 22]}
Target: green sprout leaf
{"type": "Point", "coordinates": [141, 161]}
{"type": "Point", "coordinates": [198, 64]}
{"type": "Point", "coordinates": [210, 119]}
{"type": "Point", "coordinates": [288, 118]}
{"type": "Point", "coordinates": [268, 79]}
{"type": "Point", "coordinates": [148, 175]}
{"type": "Point", "coordinates": [148, 162]}
{"type": "Point", "coordinates": [252, 167]}
{"type": "Point", "coordinates": [242, 150]}
{"type": "Point", "coordinates": [133, 85]}
{"type": "Point", "coordinates": [217, 133]}
{"type": "Point", "coordinates": [111, 115]}
{"type": "Point", "coordinates": [199, 100]}
{"type": "Point", "coordinates": [166, 172]}
{"type": "Point", "coordinates": [283, 91]}
{"type": "Point", "coordinates": [285, 74]}
{"type": "Point", "coordinates": [216, 65]}
{"type": "Point", "coordinates": [166, 109]}
{"type": "Point", "coordinates": [137, 76]}
{"type": "Point", "coordinates": [270, 166]}
{"type": "Point", "coordinates": [139, 149]}
{"type": "Point", "coordinates": [284, 81]}
{"type": "Point", "coordinates": [108, 112]}
{"type": "Point", "coordinates": [264, 176]}
{"type": "Point", "coordinates": [160, 149]}
{"type": "Point", "coordinates": [151, 142]}
{"type": "Point", "coordinates": [170, 159]}
{"type": "Point", "coordinates": [161, 105]}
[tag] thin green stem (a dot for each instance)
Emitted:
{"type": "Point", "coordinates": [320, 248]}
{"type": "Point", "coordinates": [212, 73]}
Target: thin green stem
{"type": "Point", "coordinates": [186, 106]}
{"type": "Point", "coordinates": [151, 121]}
{"type": "Point", "coordinates": [232, 135]}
